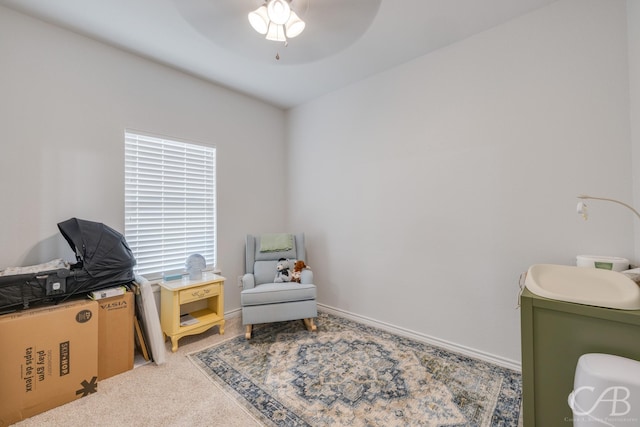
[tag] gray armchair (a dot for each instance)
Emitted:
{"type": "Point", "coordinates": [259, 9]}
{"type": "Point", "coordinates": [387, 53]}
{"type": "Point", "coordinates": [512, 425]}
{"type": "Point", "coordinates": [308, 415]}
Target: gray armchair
{"type": "Point", "coordinates": [264, 301]}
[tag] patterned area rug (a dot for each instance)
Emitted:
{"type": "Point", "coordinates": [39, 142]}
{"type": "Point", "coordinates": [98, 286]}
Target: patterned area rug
{"type": "Point", "coordinates": [352, 374]}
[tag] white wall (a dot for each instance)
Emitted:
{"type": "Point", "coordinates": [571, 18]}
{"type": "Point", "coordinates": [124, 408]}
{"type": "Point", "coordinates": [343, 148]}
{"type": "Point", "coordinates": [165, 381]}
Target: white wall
{"type": "Point", "coordinates": [65, 101]}
{"type": "Point", "coordinates": [425, 191]}
{"type": "Point", "coordinates": [633, 31]}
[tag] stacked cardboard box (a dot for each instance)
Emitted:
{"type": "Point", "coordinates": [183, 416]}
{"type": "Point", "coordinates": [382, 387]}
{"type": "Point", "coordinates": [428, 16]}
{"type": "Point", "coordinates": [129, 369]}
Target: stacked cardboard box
{"type": "Point", "coordinates": [55, 354]}
{"type": "Point", "coordinates": [115, 335]}
{"type": "Point", "coordinates": [49, 357]}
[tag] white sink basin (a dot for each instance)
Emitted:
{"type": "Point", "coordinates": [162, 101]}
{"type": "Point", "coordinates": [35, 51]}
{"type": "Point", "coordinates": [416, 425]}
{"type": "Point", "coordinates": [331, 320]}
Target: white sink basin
{"type": "Point", "coordinates": [583, 285]}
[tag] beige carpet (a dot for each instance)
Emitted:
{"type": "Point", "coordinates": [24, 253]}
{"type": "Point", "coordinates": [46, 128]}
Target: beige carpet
{"type": "Point", "coordinates": [174, 394]}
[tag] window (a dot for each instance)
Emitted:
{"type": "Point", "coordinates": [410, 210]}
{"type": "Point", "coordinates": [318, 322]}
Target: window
{"type": "Point", "coordinates": [170, 202]}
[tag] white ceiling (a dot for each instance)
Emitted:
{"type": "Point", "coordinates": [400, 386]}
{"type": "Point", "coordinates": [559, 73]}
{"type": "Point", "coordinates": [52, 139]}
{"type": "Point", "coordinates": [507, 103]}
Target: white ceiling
{"type": "Point", "coordinates": [344, 41]}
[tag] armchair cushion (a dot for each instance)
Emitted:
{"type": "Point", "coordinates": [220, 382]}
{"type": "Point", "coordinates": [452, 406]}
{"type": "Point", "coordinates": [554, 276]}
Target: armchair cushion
{"type": "Point", "coordinates": [264, 271]}
{"type": "Point", "coordinates": [275, 293]}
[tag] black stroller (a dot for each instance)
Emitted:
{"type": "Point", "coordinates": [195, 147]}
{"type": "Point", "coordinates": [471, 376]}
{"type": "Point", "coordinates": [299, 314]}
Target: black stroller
{"type": "Point", "coordinates": [103, 260]}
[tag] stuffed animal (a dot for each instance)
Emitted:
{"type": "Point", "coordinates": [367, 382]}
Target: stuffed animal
{"type": "Point", "coordinates": [297, 270]}
{"type": "Point", "coordinates": [282, 271]}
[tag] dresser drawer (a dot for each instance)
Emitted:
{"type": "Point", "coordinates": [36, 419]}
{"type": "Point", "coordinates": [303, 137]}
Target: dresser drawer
{"type": "Point", "coordinates": [198, 293]}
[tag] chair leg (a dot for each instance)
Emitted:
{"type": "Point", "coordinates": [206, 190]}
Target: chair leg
{"type": "Point", "coordinates": [311, 327]}
{"type": "Point", "coordinates": [247, 333]}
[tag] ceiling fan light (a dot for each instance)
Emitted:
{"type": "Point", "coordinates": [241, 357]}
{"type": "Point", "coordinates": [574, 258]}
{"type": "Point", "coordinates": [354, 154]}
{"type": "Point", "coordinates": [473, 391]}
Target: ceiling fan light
{"type": "Point", "coordinates": [294, 25]}
{"type": "Point", "coordinates": [278, 11]}
{"type": "Point", "coordinates": [259, 19]}
{"type": "Point", "coordinates": [276, 33]}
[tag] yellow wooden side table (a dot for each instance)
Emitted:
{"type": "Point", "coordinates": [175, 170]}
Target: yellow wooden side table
{"type": "Point", "coordinates": [189, 307]}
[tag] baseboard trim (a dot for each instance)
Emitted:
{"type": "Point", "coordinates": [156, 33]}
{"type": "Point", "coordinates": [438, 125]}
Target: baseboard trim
{"type": "Point", "coordinates": [231, 314]}
{"type": "Point", "coordinates": [467, 351]}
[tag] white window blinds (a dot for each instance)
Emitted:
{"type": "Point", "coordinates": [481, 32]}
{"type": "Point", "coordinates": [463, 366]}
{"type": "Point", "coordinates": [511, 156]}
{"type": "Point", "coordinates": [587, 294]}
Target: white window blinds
{"type": "Point", "coordinates": [170, 196]}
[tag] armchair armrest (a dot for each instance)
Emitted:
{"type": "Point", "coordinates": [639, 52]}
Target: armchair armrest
{"type": "Point", "coordinates": [248, 281]}
{"type": "Point", "coordinates": [306, 277]}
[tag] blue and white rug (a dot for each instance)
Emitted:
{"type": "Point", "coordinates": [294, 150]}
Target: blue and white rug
{"type": "Point", "coordinates": [352, 374]}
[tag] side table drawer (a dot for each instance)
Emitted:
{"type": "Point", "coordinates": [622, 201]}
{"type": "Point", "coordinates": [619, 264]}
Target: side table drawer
{"type": "Point", "coordinates": [195, 294]}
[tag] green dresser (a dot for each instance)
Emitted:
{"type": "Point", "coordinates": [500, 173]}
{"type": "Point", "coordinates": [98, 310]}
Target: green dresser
{"type": "Point", "coordinates": [554, 335]}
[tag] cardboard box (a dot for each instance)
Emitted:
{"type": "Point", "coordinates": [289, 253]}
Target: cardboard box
{"type": "Point", "coordinates": [49, 357]}
{"type": "Point", "coordinates": [115, 335]}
